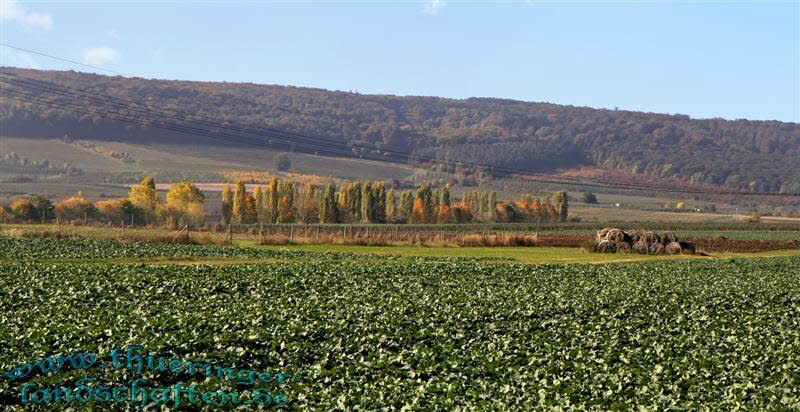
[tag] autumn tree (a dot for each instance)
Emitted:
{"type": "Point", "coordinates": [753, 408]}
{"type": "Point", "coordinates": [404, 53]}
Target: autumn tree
{"type": "Point", "coordinates": [239, 202]}
{"type": "Point", "coordinates": [561, 206]}
{"type": "Point", "coordinates": [418, 212]}
{"type": "Point", "coordinates": [250, 214]}
{"type": "Point", "coordinates": [144, 197]}
{"type": "Point", "coordinates": [405, 206]}
{"type": "Point", "coordinates": [184, 205]}
{"type": "Point", "coordinates": [227, 204]}
{"type": "Point", "coordinates": [309, 205]}
{"type": "Point", "coordinates": [391, 206]}
{"type": "Point", "coordinates": [34, 208]}
{"type": "Point", "coordinates": [422, 211]}
{"type": "Point", "coordinates": [258, 199]}
{"type": "Point", "coordinates": [117, 211]}
{"type": "Point", "coordinates": [286, 208]}
{"type": "Point", "coordinates": [328, 207]}
{"type": "Point", "coordinates": [271, 200]}
{"type": "Point", "coordinates": [75, 208]}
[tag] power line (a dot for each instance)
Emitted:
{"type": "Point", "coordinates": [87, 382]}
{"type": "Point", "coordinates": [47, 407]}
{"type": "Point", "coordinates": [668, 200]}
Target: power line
{"type": "Point", "coordinates": [119, 116]}
{"type": "Point", "coordinates": [316, 145]}
{"type": "Point", "coordinates": [341, 150]}
{"type": "Point", "coordinates": [404, 156]}
{"type": "Point", "coordinates": [60, 58]}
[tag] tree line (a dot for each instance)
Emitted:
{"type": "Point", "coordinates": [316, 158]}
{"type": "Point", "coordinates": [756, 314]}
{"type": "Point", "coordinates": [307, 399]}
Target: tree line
{"type": "Point", "coordinates": [183, 205]}
{"type": "Point", "coordinates": [284, 201]}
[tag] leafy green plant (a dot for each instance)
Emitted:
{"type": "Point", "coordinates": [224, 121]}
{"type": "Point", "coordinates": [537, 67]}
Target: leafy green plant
{"type": "Point", "coordinates": [670, 335]}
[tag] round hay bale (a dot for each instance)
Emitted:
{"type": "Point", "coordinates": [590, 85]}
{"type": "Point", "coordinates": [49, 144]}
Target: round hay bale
{"type": "Point", "coordinates": [623, 247]}
{"type": "Point", "coordinates": [615, 235]}
{"type": "Point", "coordinates": [688, 248]}
{"type": "Point", "coordinates": [655, 249]}
{"type": "Point", "coordinates": [606, 247]}
{"type": "Point", "coordinates": [633, 236]}
{"type": "Point", "coordinates": [673, 248]}
{"type": "Point", "coordinates": [601, 234]}
{"type": "Point", "coordinates": [667, 238]}
{"type": "Point", "coordinates": [640, 248]}
{"type": "Point", "coordinates": [650, 238]}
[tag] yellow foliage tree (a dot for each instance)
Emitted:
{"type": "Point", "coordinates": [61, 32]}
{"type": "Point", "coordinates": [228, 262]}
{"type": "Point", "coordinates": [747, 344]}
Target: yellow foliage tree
{"type": "Point", "coordinates": [75, 208]}
{"type": "Point", "coordinates": [184, 205]}
{"type": "Point", "coordinates": [115, 210]}
{"type": "Point", "coordinates": [239, 203]}
{"type": "Point", "coordinates": [144, 197]}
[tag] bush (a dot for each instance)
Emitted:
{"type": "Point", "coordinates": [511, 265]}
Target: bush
{"type": "Point", "coordinates": [589, 198]}
{"type": "Point", "coordinates": [282, 162]}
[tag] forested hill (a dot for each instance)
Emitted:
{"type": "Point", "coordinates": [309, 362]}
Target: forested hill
{"type": "Point", "coordinates": [751, 155]}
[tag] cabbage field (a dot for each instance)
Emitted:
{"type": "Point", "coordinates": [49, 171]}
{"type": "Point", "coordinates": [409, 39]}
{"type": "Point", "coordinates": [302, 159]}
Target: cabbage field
{"type": "Point", "coordinates": [716, 335]}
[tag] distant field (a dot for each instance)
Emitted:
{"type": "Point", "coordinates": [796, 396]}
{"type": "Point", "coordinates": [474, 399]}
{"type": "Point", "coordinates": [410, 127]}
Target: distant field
{"type": "Point", "coordinates": [619, 214]}
{"type": "Point", "coordinates": [61, 190]}
{"type": "Point", "coordinates": [187, 159]}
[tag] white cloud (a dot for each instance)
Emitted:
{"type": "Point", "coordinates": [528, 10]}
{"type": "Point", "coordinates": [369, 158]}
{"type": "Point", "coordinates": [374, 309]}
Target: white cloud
{"type": "Point", "coordinates": [99, 56]}
{"type": "Point", "coordinates": [12, 10]}
{"type": "Point", "coordinates": [17, 58]}
{"type": "Point", "coordinates": [433, 6]}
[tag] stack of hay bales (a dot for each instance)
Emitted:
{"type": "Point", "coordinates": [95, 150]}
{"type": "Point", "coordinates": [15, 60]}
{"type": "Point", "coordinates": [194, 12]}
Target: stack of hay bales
{"type": "Point", "coordinates": [610, 240]}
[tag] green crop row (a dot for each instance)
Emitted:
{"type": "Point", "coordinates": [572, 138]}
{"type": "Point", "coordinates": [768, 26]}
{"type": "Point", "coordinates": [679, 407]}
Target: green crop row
{"type": "Point", "coordinates": [92, 249]}
{"type": "Point", "coordinates": [434, 336]}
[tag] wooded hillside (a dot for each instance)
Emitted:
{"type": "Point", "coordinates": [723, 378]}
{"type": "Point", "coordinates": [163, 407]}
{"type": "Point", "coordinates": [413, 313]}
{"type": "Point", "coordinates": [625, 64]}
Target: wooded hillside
{"type": "Point", "coordinates": [742, 154]}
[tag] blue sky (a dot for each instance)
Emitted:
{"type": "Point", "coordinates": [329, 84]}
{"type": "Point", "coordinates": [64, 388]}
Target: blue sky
{"type": "Point", "coordinates": [704, 59]}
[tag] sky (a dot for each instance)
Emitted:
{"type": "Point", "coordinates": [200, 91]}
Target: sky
{"type": "Point", "coordinates": [729, 59]}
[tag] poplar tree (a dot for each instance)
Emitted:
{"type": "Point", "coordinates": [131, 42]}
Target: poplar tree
{"type": "Point", "coordinates": [406, 205]}
{"type": "Point", "coordinates": [425, 206]}
{"type": "Point", "coordinates": [379, 203]}
{"type": "Point", "coordinates": [343, 204]}
{"type": "Point", "coordinates": [391, 206]}
{"type": "Point", "coordinates": [258, 200]}
{"type": "Point", "coordinates": [328, 208]}
{"type": "Point", "coordinates": [309, 204]}
{"type": "Point", "coordinates": [239, 202]}
{"type": "Point", "coordinates": [492, 206]}
{"type": "Point", "coordinates": [561, 206]}
{"type": "Point", "coordinates": [354, 201]}
{"type": "Point", "coordinates": [445, 196]}
{"type": "Point", "coordinates": [227, 203]}
{"type": "Point", "coordinates": [286, 208]}
{"type": "Point", "coordinates": [367, 203]}
{"type": "Point", "coordinates": [272, 199]}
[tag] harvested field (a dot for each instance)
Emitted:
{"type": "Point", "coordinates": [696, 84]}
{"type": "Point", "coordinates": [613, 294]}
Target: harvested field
{"type": "Point", "coordinates": [717, 244]}
{"type": "Point", "coordinates": [723, 244]}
